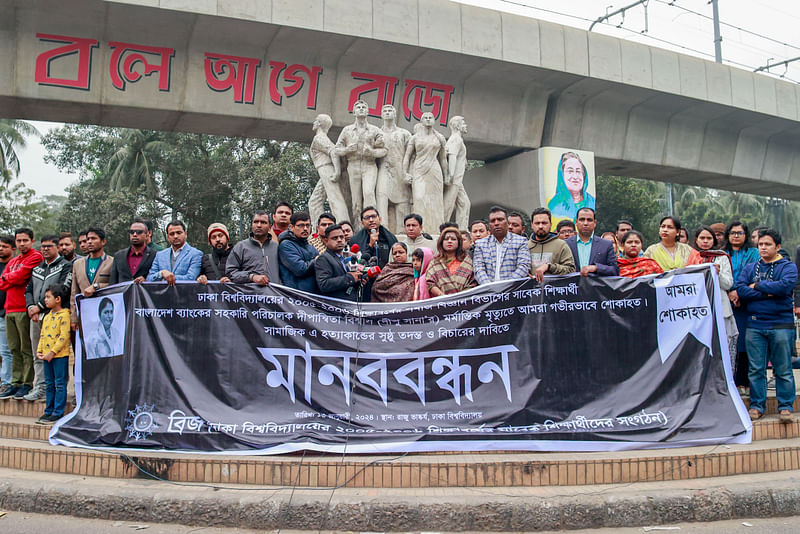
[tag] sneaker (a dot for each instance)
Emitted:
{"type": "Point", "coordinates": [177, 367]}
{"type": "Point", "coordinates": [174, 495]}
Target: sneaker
{"type": "Point", "coordinates": [771, 383]}
{"type": "Point", "coordinates": [35, 395]}
{"type": "Point", "coordinates": [21, 392]}
{"type": "Point", "coordinates": [7, 391]}
{"type": "Point", "coordinates": [44, 420]}
{"type": "Point", "coordinates": [54, 417]}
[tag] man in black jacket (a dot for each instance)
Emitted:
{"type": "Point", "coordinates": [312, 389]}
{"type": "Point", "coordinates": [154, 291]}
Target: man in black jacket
{"type": "Point", "coordinates": [133, 263]}
{"type": "Point", "coordinates": [213, 267]}
{"type": "Point", "coordinates": [54, 269]}
{"type": "Point", "coordinates": [333, 279]}
{"type": "Point", "coordinates": [373, 239]}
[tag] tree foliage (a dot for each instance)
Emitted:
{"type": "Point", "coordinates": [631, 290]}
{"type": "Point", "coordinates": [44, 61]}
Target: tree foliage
{"type": "Point", "coordinates": [12, 138]}
{"type": "Point", "coordinates": [637, 201]}
{"type": "Point", "coordinates": [19, 207]}
{"type": "Point", "coordinates": [198, 178]}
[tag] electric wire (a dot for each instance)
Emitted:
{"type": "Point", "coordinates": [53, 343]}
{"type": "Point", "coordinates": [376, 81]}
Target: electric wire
{"type": "Point", "coordinates": [674, 3]}
{"type": "Point", "coordinates": [650, 36]}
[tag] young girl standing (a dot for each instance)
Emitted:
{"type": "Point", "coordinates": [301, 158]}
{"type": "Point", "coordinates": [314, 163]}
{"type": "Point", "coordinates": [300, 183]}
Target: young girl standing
{"type": "Point", "coordinates": [54, 349]}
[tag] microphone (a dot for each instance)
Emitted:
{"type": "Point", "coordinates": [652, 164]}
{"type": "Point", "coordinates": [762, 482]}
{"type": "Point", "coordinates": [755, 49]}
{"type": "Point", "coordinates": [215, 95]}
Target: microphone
{"type": "Point", "coordinates": [355, 252]}
{"type": "Point", "coordinates": [373, 271]}
{"type": "Point", "coordinates": [373, 231]}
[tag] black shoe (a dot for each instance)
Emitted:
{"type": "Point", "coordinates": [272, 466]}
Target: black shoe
{"type": "Point", "coordinates": [44, 420]}
{"type": "Point", "coordinates": [8, 391]}
{"type": "Point", "coordinates": [54, 417]}
{"type": "Point", "coordinates": [21, 392]}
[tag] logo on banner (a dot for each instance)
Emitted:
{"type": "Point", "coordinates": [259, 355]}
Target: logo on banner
{"type": "Point", "coordinates": [683, 309]}
{"type": "Point", "coordinates": [140, 422]}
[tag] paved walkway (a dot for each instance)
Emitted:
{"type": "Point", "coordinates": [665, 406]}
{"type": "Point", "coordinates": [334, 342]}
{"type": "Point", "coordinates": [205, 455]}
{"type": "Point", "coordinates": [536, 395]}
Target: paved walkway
{"type": "Point", "coordinates": [443, 509]}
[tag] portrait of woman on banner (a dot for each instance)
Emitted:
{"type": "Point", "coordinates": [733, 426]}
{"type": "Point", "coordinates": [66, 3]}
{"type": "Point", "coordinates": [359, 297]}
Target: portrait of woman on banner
{"type": "Point", "coordinates": [572, 188]}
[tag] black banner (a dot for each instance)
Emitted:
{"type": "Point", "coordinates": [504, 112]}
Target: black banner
{"type": "Point", "coordinates": [576, 363]}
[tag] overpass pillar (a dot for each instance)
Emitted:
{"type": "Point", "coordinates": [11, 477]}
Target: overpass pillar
{"type": "Point", "coordinates": [513, 183]}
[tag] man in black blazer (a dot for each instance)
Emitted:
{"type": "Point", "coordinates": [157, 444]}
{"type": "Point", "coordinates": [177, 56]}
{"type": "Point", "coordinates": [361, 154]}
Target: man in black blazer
{"type": "Point", "coordinates": [333, 279]}
{"type": "Point", "coordinates": [599, 256]}
{"type": "Point", "coordinates": [137, 256]}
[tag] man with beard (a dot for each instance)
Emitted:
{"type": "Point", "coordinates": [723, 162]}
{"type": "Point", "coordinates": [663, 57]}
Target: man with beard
{"type": "Point", "coordinates": [549, 254]}
{"type": "Point", "coordinates": [297, 255]}
{"type": "Point", "coordinates": [53, 270]}
{"type": "Point", "coordinates": [133, 263]}
{"type": "Point", "coordinates": [255, 259]}
{"type": "Point", "coordinates": [214, 263]}
{"type": "Point", "coordinates": [66, 247]}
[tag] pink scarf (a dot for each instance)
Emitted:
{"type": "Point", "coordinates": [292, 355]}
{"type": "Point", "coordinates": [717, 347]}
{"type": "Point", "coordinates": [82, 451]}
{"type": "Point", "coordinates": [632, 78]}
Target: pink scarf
{"type": "Point", "coordinates": [421, 283]}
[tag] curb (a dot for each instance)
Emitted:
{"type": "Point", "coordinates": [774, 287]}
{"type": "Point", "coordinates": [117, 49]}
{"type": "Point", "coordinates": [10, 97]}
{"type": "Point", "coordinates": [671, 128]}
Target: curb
{"type": "Point", "coordinates": [380, 510]}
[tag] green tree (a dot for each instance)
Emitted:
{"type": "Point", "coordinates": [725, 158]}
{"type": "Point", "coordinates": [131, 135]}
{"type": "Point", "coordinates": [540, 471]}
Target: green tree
{"type": "Point", "coordinates": [12, 138]}
{"type": "Point", "coordinates": [89, 204]}
{"type": "Point", "coordinates": [638, 201]}
{"type": "Point", "coordinates": [198, 178]}
{"type": "Point", "coordinates": [131, 165]}
{"type": "Point", "coordinates": [19, 207]}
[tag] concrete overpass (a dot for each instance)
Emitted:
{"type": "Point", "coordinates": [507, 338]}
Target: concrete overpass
{"type": "Point", "coordinates": [265, 68]}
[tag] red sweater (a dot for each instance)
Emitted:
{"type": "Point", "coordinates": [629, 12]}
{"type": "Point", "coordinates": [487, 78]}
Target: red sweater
{"type": "Point", "coordinates": [15, 279]}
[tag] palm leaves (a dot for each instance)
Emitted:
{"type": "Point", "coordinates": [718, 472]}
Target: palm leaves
{"type": "Point", "coordinates": [12, 138]}
{"type": "Point", "coordinates": [131, 165]}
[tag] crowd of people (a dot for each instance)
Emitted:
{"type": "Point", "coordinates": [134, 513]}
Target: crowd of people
{"type": "Point", "coordinates": [38, 287]}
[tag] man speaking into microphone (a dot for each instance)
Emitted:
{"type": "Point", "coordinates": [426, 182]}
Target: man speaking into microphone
{"type": "Point", "coordinates": [373, 239]}
{"type": "Point", "coordinates": [374, 242]}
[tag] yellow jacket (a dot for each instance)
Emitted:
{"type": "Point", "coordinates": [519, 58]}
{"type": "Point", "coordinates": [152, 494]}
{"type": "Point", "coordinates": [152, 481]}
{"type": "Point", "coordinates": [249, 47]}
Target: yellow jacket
{"type": "Point", "coordinates": [55, 334]}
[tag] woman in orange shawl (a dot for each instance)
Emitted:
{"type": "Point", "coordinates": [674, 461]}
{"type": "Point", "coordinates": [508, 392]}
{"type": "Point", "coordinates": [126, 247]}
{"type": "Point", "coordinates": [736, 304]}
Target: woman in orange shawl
{"type": "Point", "coordinates": [631, 264]}
{"type": "Point", "coordinates": [451, 269]}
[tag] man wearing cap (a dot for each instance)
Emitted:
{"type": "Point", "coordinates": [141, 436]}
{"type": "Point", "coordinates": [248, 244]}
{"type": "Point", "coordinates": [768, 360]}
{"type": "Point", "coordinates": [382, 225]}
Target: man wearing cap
{"type": "Point", "coordinates": [133, 263]}
{"type": "Point", "coordinates": [719, 232]}
{"type": "Point", "coordinates": [213, 266]}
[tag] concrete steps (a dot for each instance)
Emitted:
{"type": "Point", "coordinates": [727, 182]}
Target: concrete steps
{"type": "Point", "coordinates": [23, 446]}
{"type": "Point", "coordinates": [776, 447]}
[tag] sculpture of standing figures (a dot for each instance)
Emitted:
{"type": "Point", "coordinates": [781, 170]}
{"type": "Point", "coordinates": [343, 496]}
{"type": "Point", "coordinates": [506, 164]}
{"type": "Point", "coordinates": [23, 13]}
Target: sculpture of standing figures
{"type": "Point", "coordinates": [392, 192]}
{"type": "Point", "coordinates": [455, 197]}
{"type": "Point", "coordinates": [361, 144]}
{"type": "Point", "coordinates": [429, 172]}
{"type": "Point", "coordinates": [322, 151]}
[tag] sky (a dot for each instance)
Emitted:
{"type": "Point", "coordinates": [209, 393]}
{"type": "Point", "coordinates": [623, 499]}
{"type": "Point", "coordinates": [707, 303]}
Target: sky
{"type": "Point", "coordinates": [754, 33]}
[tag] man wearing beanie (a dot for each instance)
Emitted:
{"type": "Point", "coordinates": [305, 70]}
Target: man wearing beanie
{"type": "Point", "coordinates": [213, 267]}
{"type": "Point", "coordinates": [133, 263]}
{"type": "Point", "coordinates": [719, 232]}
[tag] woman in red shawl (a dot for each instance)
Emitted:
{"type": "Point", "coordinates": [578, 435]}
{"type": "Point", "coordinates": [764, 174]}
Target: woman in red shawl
{"type": "Point", "coordinates": [631, 264]}
{"type": "Point", "coordinates": [396, 281]}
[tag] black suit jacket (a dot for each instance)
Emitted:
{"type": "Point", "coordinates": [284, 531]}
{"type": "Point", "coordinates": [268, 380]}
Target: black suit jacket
{"type": "Point", "coordinates": [332, 278]}
{"type": "Point", "coordinates": [120, 272]}
{"type": "Point", "coordinates": [602, 254]}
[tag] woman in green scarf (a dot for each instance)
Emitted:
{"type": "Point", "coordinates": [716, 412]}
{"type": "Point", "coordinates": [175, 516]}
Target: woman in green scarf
{"type": "Point", "coordinates": [571, 189]}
